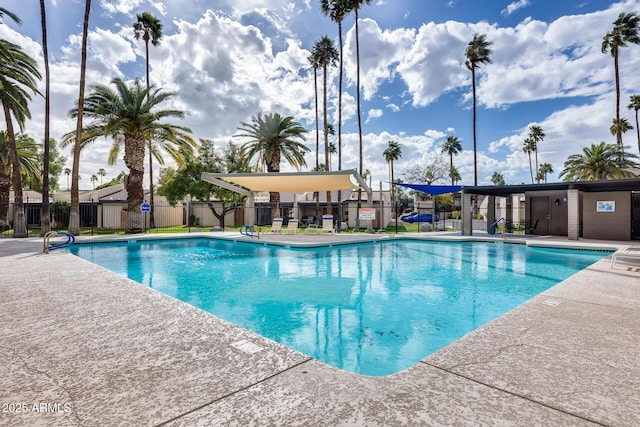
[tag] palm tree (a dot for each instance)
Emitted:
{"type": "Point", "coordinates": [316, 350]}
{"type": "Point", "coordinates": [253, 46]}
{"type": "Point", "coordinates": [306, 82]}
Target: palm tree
{"type": "Point", "coordinates": [349, 6]}
{"type": "Point", "coordinates": [336, 10]}
{"type": "Point", "coordinates": [452, 147]}
{"type": "Point", "coordinates": [454, 173]}
{"type": "Point", "coordinates": [392, 153]}
{"type": "Point", "coordinates": [314, 61]}
{"type": "Point", "coordinates": [536, 135]}
{"type": "Point", "coordinates": [331, 130]}
{"type": "Point", "coordinates": [74, 214]}
{"type": "Point", "coordinates": [94, 179]}
{"type": "Point", "coordinates": [619, 127]}
{"type": "Point", "coordinates": [327, 55]}
{"type": "Point", "coordinates": [333, 149]}
{"type": "Point", "coordinates": [477, 53]}
{"type": "Point", "coordinates": [45, 210]}
{"type": "Point", "coordinates": [149, 28]}
{"type": "Point", "coordinates": [529, 147]}
{"type": "Point", "coordinates": [497, 178]}
{"type": "Point", "coordinates": [13, 16]}
{"type": "Point", "coordinates": [67, 172]}
{"type": "Point", "coordinates": [601, 161]}
{"type": "Point", "coordinates": [545, 169]}
{"type": "Point", "coordinates": [271, 137]}
{"type": "Point", "coordinates": [102, 173]}
{"type": "Point", "coordinates": [29, 166]}
{"type": "Point", "coordinates": [634, 104]}
{"type": "Point", "coordinates": [128, 116]}
{"type": "Point", "coordinates": [625, 30]}
{"type": "Point", "coordinates": [18, 77]}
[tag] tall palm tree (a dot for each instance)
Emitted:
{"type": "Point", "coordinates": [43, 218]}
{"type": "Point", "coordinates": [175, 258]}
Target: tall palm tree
{"type": "Point", "coordinates": [314, 61]}
{"type": "Point", "coordinates": [545, 169]}
{"type": "Point", "coordinates": [497, 178]}
{"type": "Point", "coordinates": [392, 153]}
{"type": "Point", "coordinates": [18, 78]}
{"type": "Point", "coordinates": [149, 28]}
{"type": "Point", "coordinates": [529, 147]}
{"type": "Point", "coordinates": [128, 115]}
{"type": "Point", "coordinates": [634, 104]}
{"type": "Point", "coordinates": [620, 126]}
{"type": "Point", "coordinates": [354, 6]}
{"type": "Point", "coordinates": [327, 55]}
{"type": "Point", "coordinates": [102, 173]}
{"type": "Point", "coordinates": [455, 175]}
{"type": "Point", "coordinates": [477, 53]}
{"type": "Point", "coordinates": [536, 135]}
{"type": "Point", "coordinates": [625, 30]}
{"type": "Point", "coordinates": [452, 147]}
{"type": "Point", "coordinates": [271, 137]}
{"type": "Point", "coordinates": [74, 214]}
{"type": "Point", "coordinates": [336, 10]}
{"type": "Point", "coordinates": [315, 64]}
{"type": "Point", "coordinates": [67, 171]}
{"type": "Point", "coordinates": [45, 210]}
{"type": "Point", "coordinates": [601, 161]}
{"type": "Point", "coordinates": [29, 166]}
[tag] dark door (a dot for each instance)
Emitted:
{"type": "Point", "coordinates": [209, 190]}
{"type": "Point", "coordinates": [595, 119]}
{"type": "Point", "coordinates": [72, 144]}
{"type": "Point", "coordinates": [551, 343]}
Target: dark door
{"type": "Point", "coordinates": [635, 215]}
{"type": "Point", "coordinates": [540, 216]}
{"type": "Point", "coordinates": [559, 216]}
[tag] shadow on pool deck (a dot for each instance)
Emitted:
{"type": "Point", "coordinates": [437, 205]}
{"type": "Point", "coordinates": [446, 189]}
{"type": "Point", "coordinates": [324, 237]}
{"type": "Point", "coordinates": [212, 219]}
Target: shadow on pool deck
{"type": "Point", "coordinates": [98, 349]}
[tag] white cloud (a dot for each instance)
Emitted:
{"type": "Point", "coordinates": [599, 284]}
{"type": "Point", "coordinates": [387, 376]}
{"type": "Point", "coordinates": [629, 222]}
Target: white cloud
{"type": "Point", "coordinates": [374, 113]}
{"type": "Point", "coordinates": [512, 7]}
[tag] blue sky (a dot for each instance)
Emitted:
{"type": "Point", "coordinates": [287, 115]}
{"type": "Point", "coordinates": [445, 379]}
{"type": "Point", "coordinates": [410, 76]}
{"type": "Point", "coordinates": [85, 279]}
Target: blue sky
{"type": "Point", "coordinates": [226, 60]}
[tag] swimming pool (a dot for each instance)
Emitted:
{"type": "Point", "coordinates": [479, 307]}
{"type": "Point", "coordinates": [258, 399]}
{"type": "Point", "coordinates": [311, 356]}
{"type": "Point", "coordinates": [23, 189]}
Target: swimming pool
{"type": "Point", "coordinates": [372, 309]}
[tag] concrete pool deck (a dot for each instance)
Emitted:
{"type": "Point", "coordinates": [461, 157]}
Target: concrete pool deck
{"type": "Point", "coordinates": [81, 346]}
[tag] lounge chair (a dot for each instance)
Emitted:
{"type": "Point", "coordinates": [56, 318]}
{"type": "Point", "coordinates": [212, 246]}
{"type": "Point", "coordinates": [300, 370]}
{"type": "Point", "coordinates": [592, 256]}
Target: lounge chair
{"type": "Point", "coordinates": [276, 226]}
{"type": "Point", "coordinates": [327, 224]}
{"type": "Point", "coordinates": [631, 255]}
{"type": "Point", "coordinates": [292, 227]}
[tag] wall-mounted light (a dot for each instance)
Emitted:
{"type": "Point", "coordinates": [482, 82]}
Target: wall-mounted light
{"type": "Point", "coordinates": [557, 202]}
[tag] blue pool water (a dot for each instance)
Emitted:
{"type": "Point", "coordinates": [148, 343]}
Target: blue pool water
{"type": "Point", "coordinates": [373, 309]}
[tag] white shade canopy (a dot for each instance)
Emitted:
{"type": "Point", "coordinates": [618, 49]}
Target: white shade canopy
{"type": "Point", "coordinates": [293, 182]}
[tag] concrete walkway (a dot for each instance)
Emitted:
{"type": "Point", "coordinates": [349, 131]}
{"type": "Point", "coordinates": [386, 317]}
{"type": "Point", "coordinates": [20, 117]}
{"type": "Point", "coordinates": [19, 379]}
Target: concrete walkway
{"type": "Point", "coordinates": [81, 346]}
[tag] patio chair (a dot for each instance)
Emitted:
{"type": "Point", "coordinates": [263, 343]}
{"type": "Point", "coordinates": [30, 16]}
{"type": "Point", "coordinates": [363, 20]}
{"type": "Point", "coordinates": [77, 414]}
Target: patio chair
{"type": "Point", "coordinates": [276, 226]}
{"type": "Point", "coordinates": [327, 224]}
{"type": "Point", "coordinates": [631, 255]}
{"type": "Point", "coordinates": [292, 227]}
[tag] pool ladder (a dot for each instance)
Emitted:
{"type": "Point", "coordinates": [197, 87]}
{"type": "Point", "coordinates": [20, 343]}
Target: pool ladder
{"type": "Point", "coordinates": [47, 246]}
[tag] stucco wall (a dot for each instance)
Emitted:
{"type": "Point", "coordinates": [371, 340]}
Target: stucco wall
{"type": "Point", "coordinates": [606, 225]}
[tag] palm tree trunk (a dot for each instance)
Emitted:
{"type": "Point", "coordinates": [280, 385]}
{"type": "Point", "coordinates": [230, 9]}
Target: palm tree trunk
{"type": "Point", "coordinates": [537, 172]}
{"type": "Point", "coordinates": [638, 130]}
{"type": "Point", "coordinates": [152, 221]}
{"type": "Point", "coordinates": [74, 215]}
{"type": "Point", "coordinates": [274, 197]}
{"type": "Point", "coordinates": [393, 186]}
{"type": "Point", "coordinates": [340, 126]}
{"type": "Point", "coordinates": [315, 87]}
{"type": "Point", "coordinates": [451, 167]}
{"type": "Point", "coordinates": [45, 210]}
{"type": "Point", "coordinates": [618, 130]}
{"type": "Point", "coordinates": [370, 227]}
{"type": "Point", "coordinates": [134, 154]}
{"type": "Point", "coordinates": [5, 187]}
{"type": "Point", "coordinates": [530, 168]}
{"type": "Point", "coordinates": [326, 134]}
{"type": "Point", "coordinates": [19, 222]}
{"type": "Point", "coordinates": [475, 158]}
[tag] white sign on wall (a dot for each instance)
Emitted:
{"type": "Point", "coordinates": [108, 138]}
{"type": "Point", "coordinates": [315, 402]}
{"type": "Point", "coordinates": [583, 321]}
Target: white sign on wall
{"type": "Point", "coordinates": [367, 214]}
{"type": "Point", "coordinates": [605, 206]}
